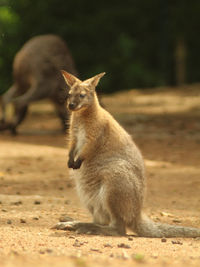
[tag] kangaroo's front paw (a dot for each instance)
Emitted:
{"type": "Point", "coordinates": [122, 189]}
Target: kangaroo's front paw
{"type": "Point", "coordinates": [77, 164]}
{"type": "Point", "coordinates": [70, 163]}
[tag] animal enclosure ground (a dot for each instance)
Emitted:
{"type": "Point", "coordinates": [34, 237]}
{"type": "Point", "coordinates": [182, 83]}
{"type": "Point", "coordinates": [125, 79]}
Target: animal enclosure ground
{"type": "Point", "coordinates": [36, 191]}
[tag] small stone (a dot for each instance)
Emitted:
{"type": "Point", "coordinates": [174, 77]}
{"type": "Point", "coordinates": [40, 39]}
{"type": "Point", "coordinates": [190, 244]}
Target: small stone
{"type": "Point", "coordinates": [176, 242]}
{"type": "Point", "coordinates": [22, 221]}
{"type": "Point", "coordinates": [4, 210]}
{"type": "Point", "coordinates": [48, 250]}
{"type": "Point", "coordinates": [107, 245]}
{"type": "Point", "coordinates": [77, 244]}
{"type": "Point", "coordinates": [164, 240]}
{"type": "Point", "coordinates": [122, 245]}
{"type": "Point", "coordinates": [37, 202]}
{"type": "Point", "coordinates": [177, 221]}
{"type": "Point", "coordinates": [9, 222]}
{"type": "Point", "coordinates": [166, 214]}
{"type": "Point", "coordinates": [35, 218]}
{"type": "Point", "coordinates": [60, 188]}
{"type": "Point", "coordinates": [155, 255]}
{"type": "Point", "coordinates": [65, 218]}
{"type": "Point", "coordinates": [95, 250]}
{"type": "Point", "coordinates": [69, 185]}
{"type": "Point", "coordinates": [13, 252]}
{"type": "Point", "coordinates": [16, 203]}
{"type": "Point", "coordinates": [130, 239]}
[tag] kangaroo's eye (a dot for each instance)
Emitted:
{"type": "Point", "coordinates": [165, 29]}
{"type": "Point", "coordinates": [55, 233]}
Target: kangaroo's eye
{"type": "Point", "coordinates": [82, 95]}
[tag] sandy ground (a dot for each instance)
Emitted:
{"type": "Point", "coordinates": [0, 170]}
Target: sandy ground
{"type": "Point", "coordinates": [36, 191]}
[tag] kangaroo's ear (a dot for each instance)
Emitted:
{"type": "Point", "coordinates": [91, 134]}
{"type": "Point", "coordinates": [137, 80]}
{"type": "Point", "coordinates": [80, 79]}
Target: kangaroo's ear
{"type": "Point", "coordinates": [92, 82]}
{"type": "Point", "coordinates": [69, 78]}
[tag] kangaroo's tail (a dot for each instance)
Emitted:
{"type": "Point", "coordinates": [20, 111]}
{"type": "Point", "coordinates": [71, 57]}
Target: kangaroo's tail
{"type": "Point", "coordinates": [145, 227]}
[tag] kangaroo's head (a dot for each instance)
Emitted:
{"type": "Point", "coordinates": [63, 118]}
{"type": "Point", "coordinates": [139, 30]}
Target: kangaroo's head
{"type": "Point", "coordinates": [81, 93]}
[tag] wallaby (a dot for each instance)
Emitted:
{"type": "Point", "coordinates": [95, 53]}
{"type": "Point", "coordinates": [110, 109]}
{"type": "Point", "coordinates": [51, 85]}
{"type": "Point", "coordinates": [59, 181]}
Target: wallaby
{"type": "Point", "coordinates": [108, 169]}
{"type": "Point", "coordinates": [36, 75]}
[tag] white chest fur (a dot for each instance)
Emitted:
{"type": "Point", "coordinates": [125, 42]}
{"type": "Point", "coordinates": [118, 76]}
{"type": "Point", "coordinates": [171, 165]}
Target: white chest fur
{"type": "Point", "coordinates": [80, 136]}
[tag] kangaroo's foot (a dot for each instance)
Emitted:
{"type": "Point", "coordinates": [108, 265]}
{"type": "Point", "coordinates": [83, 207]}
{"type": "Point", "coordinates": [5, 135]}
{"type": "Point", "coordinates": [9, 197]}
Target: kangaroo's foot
{"type": "Point", "coordinates": [4, 126]}
{"type": "Point", "coordinates": [62, 224]}
{"type": "Point", "coordinates": [88, 228]}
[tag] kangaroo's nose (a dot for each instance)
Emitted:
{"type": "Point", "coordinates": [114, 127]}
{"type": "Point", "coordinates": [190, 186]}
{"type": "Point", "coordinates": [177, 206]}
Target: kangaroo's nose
{"type": "Point", "coordinates": [72, 106]}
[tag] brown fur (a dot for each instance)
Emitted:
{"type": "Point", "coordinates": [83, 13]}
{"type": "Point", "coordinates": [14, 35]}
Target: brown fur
{"type": "Point", "coordinates": [108, 169]}
{"type": "Point", "coordinates": [36, 75]}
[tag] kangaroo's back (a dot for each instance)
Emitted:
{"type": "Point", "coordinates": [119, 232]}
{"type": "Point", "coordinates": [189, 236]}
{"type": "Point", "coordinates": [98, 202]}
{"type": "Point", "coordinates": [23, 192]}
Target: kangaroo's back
{"type": "Point", "coordinates": [36, 76]}
{"type": "Point", "coordinates": [40, 59]}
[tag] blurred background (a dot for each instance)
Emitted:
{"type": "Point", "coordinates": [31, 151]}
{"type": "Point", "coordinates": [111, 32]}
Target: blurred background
{"type": "Point", "coordinates": [138, 43]}
{"type": "Point", "coordinates": [141, 44]}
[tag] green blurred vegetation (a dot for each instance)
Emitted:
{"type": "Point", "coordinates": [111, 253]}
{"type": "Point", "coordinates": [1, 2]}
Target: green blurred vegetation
{"type": "Point", "coordinates": [134, 41]}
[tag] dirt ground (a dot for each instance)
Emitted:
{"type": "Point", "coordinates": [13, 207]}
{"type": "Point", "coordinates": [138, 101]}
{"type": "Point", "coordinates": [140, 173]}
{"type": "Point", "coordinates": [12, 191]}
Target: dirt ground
{"type": "Point", "coordinates": [36, 191]}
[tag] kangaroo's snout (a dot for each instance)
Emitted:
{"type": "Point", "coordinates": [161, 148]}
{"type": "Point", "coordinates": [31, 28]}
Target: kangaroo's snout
{"type": "Point", "coordinates": [72, 106]}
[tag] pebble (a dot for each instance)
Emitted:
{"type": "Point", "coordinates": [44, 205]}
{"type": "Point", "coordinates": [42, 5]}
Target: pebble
{"type": "Point", "coordinates": [130, 239]}
{"type": "Point", "coordinates": [164, 240]}
{"type": "Point", "coordinates": [177, 221]}
{"type": "Point", "coordinates": [96, 250]}
{"type": "Point", "coordinates": [48, 250]}
{"type": "Point", "coordinates": [9, 222]}
{"type": "Point", "coordinates": [35, 218]}
{"type": "Point", "coordinates": [16, 203]}
{"type": "Point", "coordinates": [69, 185]}
{"type": "Point", "coordinates": [176, 242]}
{"type": "Point", "coordinates": [37, 202]}
{"type": "Point", "coordinates": [61, 188]}
{"type": "Point", "coordinates": [65, 218]}
{"type": "Point", "coordinates": [22, 221]}
{"type": "Point", "coordinates": [122, 245]}
{"type": "Point", "coordinates": [107, 245]}
{"type": "Point", "coordinates": [77, 244]}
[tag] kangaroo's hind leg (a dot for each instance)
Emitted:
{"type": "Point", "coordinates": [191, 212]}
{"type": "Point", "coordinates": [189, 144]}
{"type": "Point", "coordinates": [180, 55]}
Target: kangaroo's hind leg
{"type": "Point", "coordinates": [6, 99]}
{"type": "Point", "coordinates": [104, 224]}
{"type": "Point", "coordinates": [19, 112]}
{"type": "Point", "coordinates": [19, 115]}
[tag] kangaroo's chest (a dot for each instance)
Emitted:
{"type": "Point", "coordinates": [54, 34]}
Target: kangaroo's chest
{"type": "Point", "coordinates": [80, 137]}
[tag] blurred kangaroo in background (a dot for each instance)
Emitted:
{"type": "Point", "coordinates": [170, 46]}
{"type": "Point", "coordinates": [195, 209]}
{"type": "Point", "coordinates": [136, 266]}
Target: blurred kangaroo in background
{"type": "Point", "coordinates": [36, 75]}
{"type": "Point", "coordinates": [108, 169]}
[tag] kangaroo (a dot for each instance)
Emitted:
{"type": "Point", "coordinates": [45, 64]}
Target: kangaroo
{"type": "Point", "coordinates": [108, 169]}
{"type": "Point", "coordinates": [36, 75]}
